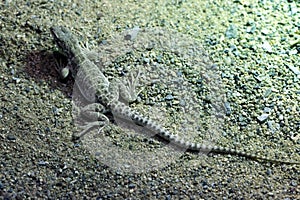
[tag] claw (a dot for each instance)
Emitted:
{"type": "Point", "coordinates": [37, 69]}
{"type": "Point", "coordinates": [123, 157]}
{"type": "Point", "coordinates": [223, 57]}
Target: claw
{"type": "Point", "coordinates": [88, 127]}
{"type": "Point", "coordinates": [59, 63]}
{"type": "Point", "coordinates": [130, 86]}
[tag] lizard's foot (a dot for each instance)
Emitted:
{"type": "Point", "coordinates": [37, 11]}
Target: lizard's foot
{"type": "Point", "coordinates": [92, 115]}
{"type": "Point", "coordinates": [92, 55]}
{"type": "Point", "coordinates": [60, 65]}
{"type": "Point", "coordinates": [128, 87]}
{"type": "Point", "coordinates": [87, 127]}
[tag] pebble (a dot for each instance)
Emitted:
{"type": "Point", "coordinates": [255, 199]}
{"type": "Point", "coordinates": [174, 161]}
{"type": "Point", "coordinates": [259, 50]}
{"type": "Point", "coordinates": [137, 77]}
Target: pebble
{"type": "Point", "coordinates": [280, 117]}
{"type": "Point", "coordinates": [131, 186]}
{"type": "Point", "coordinates": [267, 110]}
{"type": "Point", "coordinates": [267, 47]}
{"type": "Point", "coordinates": [295, 70]}
{"type": "Point", "coordinates": [231, 32]}
{"type": "Point", "coordinates": [43, 163]}
{"type": "Point", "coordinates": [11, 137]}
{"type": "Point", "coordinates": [294, 183]}
{"type": "Point", "coordinates": [227, 108]}
{"type": "Point", "coordinates": [169, 97]}
{"type": "Point", "coordinates": [263, 117]}
{"type": "Point", "coordinates": [251, 29]}
{"type": "Point", "coordinates": [265, 31]}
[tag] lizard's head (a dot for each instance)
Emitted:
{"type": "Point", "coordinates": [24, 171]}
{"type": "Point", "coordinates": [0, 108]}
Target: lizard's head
{"type": "Point", "coordinates": [63, 38]}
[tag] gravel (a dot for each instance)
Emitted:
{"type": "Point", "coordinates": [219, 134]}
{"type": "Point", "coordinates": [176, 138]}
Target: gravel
{"type": "Point", "coordinates": [255, 52]}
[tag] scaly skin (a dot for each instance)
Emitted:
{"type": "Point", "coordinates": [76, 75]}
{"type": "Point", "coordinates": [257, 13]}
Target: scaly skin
{"type": "Point", "coordinates": [104, 95]}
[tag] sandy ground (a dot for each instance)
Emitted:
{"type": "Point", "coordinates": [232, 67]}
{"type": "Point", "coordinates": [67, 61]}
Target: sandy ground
{"type": "Point", "coordinates": [255, 49]}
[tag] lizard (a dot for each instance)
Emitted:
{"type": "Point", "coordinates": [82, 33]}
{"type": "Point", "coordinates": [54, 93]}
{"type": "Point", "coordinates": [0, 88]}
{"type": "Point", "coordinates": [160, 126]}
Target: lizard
{"type": "Point", "coordinates": [105, 96]}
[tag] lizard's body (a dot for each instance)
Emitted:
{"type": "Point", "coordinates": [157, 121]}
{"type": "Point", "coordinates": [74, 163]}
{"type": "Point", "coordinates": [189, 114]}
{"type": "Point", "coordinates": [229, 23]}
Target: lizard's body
{"type": "Point", "coordinates": [105, 96]}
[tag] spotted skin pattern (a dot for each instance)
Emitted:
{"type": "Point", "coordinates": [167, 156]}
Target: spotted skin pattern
{"type": "Point", "coordinates": [104, 94]}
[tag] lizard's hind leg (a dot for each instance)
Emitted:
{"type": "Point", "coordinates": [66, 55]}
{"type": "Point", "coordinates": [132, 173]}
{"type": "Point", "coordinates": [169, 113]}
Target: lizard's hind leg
{"type": "Point", "coordinates": [93, 116]}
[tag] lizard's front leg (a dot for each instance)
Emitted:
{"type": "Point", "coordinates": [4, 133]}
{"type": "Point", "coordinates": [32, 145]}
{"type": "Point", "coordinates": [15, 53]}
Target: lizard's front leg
{"type": "Point", "coordinates": [125, 89]}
